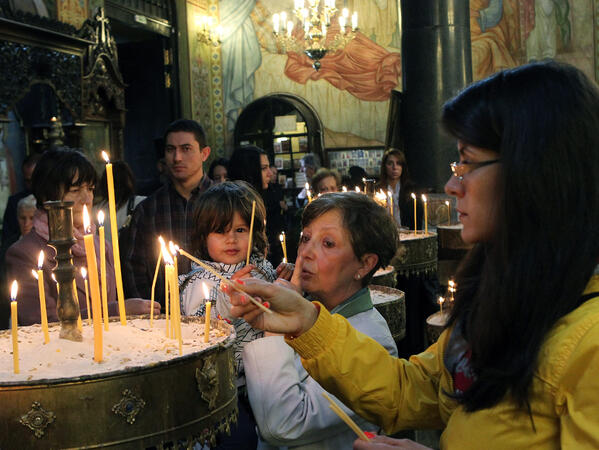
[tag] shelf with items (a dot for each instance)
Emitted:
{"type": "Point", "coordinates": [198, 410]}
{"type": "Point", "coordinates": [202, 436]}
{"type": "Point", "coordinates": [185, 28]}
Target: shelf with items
{"type": "Point", "coordinates": [369, 158]}
{"type": "Point", "coordinates": [286, 127]}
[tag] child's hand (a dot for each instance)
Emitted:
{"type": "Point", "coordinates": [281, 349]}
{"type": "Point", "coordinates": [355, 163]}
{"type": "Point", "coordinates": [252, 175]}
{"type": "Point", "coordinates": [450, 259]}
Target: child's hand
{"type": "Point", "coordinates": [243, 272]}
{"type": "Point", "coordinates": [285, 271]}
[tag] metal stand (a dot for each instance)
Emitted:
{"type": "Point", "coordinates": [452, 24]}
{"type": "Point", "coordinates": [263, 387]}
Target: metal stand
{"type": "Point", "coordinates": [60, 225]}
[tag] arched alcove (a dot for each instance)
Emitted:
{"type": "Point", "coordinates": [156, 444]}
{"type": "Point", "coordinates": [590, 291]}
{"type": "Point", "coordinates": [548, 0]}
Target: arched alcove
{"type": "Point", "coordinates": [258, 122]}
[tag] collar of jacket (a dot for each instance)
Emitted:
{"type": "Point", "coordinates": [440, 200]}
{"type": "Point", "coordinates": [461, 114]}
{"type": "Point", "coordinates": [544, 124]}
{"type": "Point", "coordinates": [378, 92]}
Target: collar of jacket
{"type": "Point", "coordinates": [357, 303]}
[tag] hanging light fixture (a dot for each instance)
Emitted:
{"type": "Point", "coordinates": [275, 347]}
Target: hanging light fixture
{"type": "Point", "coordinates": [315, 19]}
{"type": "Point", "coordinates": [208, 31]}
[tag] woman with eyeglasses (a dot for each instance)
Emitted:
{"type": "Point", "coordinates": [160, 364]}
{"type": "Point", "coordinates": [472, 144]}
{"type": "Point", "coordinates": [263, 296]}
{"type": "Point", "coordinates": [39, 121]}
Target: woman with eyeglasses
{"type": "Point", "coordinates": [518, 364]}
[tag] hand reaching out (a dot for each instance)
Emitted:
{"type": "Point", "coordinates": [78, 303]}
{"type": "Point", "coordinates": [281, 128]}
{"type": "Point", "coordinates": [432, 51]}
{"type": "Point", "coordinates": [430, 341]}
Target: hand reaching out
{"type": "Point", "coordinates": [293, 314]}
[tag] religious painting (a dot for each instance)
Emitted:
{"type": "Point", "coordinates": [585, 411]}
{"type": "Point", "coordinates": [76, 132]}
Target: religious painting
{"type": "Point", "coordinates": [508, 33]}
{"type": "Point", "coordinates": [73, 12]}
{"type": "Point", "coordinates": [95, 137]}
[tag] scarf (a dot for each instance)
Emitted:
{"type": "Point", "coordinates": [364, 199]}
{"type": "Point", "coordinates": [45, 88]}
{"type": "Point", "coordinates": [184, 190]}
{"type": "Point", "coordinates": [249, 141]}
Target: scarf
{"type": "Point", "coordinates": [40, 223]}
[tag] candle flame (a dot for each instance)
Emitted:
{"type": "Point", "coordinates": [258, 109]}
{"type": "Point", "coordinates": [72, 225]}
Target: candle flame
{"type": "Point", "coordinates": [13, 290]}
{"type": "Point", "coordinates": [206, 291]}
{"type": "Point", "coordinates": [173, 248]}
{"type": "Point", "coordinates": [105, 156]}
{"type": "Point", "coordinates": [84, 272]}
{"type": "Point", "coordinates": [54, 278]}
{"type": "Point", "coordinates": [441, 300]}
{"type": "Point", "coordinates": [40, 260]}
{"type": "Point", "coordinates": [451, 283]}
{"type": "Point", "coordinates": [281, 237]}
{"type": "Point", "coordinates": [101, 218]}
{"type": "Point", "coordinates": [413, 196]}
{"type": "Point", "coordinates": [86, 224]}
{"type": "Point", "coordinates": [389, 193]}
{"type": "Point", "coordinates": [357, 189]}
{"type": "Point", "coordinates": [424, 198]}
{"type": "Point", "coordinates": [344, 189]}
{"type": "Point", "coordinates": [307, 186]}
{"type": "Point", "coordinates": [34, 273]}
{"type": "Point", "coordinates": [446, 203]}
{"type": "Point", "coordinates": [168, 259]}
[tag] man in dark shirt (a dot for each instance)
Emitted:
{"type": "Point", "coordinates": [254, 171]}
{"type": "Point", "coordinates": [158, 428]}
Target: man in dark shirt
{"type": "Point", "coordinates": [168, 212]}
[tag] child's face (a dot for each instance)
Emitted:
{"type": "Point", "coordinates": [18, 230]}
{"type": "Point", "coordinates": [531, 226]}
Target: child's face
{"type": "Point", "coordinates": [230, 246]}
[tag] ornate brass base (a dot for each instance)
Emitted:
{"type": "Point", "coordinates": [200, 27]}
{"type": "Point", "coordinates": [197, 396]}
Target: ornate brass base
{"type": "Point", "coordinates": [189, 399]}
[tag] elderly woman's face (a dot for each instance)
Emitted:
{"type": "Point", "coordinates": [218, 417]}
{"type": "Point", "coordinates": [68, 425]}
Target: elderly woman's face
{"type": "Point", "coordinates": [80, 195]}
{"type": "Point", "coordinates": [328, 263]}
{"type": "Point", "coordinates": [25, 219]}
{"type": "Point", "coordinates": [327, 184]}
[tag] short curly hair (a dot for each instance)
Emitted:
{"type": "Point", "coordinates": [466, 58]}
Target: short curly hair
{"type": "Point", "coordinates": [370, 227]}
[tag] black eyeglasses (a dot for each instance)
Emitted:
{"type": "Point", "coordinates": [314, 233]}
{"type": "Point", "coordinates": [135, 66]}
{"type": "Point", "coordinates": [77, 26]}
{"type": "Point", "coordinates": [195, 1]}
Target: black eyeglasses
{"type": "Point", "coordinates": [460, 169]}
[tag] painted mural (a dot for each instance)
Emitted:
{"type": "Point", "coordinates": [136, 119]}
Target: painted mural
{"type": "Point", "coordinates": [352, 99]}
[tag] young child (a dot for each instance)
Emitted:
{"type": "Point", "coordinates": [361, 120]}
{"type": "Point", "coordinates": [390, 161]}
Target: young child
{"type": "Point", "coordinates": [221, 233]}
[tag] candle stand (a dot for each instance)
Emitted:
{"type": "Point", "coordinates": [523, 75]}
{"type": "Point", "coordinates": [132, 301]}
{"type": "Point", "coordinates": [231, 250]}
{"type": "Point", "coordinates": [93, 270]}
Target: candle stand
{"type": "Point", "coordinates": [60, 225]}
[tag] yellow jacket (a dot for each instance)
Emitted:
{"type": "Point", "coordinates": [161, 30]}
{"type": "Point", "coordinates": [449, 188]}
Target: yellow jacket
{"type": "Point", "coordinates": [400, 394]}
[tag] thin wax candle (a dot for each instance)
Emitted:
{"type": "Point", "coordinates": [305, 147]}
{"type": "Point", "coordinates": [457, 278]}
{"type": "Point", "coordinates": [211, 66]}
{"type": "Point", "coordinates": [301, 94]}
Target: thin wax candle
{"type": "Point", "coordinates": [14, 324]}
{"type": "Point", "coordinates": [84, 275]}
{"type": "Point", "coordinates": [115, 240]}
{"type": "Point", "coordinates": [103, 268]}
{"type": "Point", "coordinates": [42, 294]}
{"type": "Point", "coordinates": [207, 315]}
{"type": "Point", "coordinates": [90, 254]}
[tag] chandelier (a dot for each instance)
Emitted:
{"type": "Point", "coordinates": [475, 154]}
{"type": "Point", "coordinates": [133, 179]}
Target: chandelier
{"type": "Point", "coordinates": [315, 20]}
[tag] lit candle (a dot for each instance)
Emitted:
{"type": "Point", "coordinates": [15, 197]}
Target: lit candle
{"type": "Point", "coordinates": [343, 188]}
{"type": "Point", "coordinates": [441, 301]}
{"type": "Point", "coordinates": [152, 297]}
{"type": "Point", "coordinates": [275, 23]}
{"type": "Point", "coordinates": [452, 289]}
{"type": "Point", "coordinates": [14, 324]}
{"type": "Point", "coordinates": [247, 257]}
{"type": "Point", "coordinates": [425, 214]}
{"type": "Point", "coordinates": [284, 246]}
{"type": "Point", "coordinates": [448, 212]}
{"type": "Point", "coordinates": [166, 257]}
{"type": "Point", "coordinates": [103, 268]}
{"type": "Point", "coordinates": [114, 231]}
{"type": "Point", "coordinates": [175, 301]}
{"type": "Point", "coordinates": [390, 194]}
{"type": "Point", "coordinates": [84, 275]}
{"type": "Point", "coordinates": [207, 315]}
{"type": "Point", "coordinates": [308, 193]}
{"type": "Point", "coordinates": [358, 189]}
{"type": "Point", "coordinates": [90, 254]}
{"type": "Point", "coordinates": [415, 219]}
{"type": "Point", "coordinates": [42, 294]}
{"type": "Point", "coordinates": [174, 288]}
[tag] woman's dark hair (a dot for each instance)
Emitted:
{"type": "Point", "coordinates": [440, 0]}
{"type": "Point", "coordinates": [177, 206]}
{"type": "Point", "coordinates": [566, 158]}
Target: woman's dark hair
{"type": "Point", "coordinates": [218, 162]}
{"type": "Point", "coordinates": [370, 227]}
{"type": "Point", "coordinates": [542, 119]}
{"type": "Point", "coordinates": [215, 210]}
{"type": "Point", "coordinates": [401, 157]}
{"type": "Point", "coordinates": [245, 165]}
{"type": "Point", "coordinates": [124, 184]}
{"type": "Point", "coordinates": [323, 173]}
{"type": "Point", "coordinates": [57, 171]}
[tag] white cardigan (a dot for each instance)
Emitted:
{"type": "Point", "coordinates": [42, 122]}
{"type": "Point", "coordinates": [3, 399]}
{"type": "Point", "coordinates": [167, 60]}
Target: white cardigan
{"type": "Point", "coordinates": [288, 405]}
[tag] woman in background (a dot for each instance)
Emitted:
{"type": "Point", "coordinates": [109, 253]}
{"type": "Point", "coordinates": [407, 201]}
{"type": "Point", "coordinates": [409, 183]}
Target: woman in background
{"type": "Point", "coordinates": [396, 179]}
{"type": "Point", "coordinates": [218, 171]}
{"type": "Point", "coordinates": [67, 175]}
{"type": "Point", "coordinates": [325, 180]}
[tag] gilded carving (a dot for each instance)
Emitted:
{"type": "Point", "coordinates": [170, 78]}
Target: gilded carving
{"type": "Point", "coordinates": [207, 379]}
{"type": "Point", "coordinates": [129, 406]}
{"type": "Point", "coordinates": [37, 419]}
